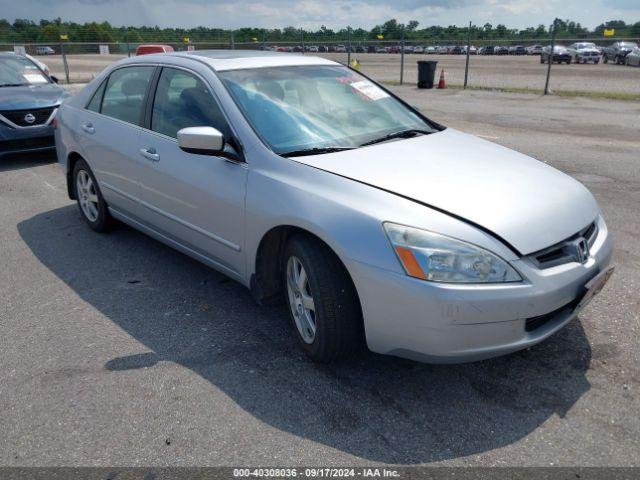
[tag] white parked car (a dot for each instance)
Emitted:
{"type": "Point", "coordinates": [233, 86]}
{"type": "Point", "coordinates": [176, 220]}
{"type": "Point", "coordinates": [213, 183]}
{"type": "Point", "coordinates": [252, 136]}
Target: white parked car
{"type": "Point", "coordinates": [430, 50]}
{"type": "Point", "coordinates": [534, 50]}
{"type": "Point", "coordinates": [44, 50]}
{"type": "Point", "coordinates": [418, 49]}
{"type": "Point", "coordinates": [313, 49]}
{"type": "Point", "coordinates": [584, 52]}
{"type": "Point", "coordinates": [633, 58]}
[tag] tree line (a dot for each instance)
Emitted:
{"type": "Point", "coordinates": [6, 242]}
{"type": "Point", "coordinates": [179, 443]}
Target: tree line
{"type": "Point", "coordinates": [50, 31]}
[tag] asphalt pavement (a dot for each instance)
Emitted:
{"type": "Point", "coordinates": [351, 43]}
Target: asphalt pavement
{"type": "Point", "coordinates": [117, 350]}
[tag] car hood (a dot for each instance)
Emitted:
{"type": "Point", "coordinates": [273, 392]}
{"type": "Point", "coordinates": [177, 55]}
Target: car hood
{"type": "Point", "coordinates": [31, 96]}
{"type": "Point", "coordinates": [527, 203]}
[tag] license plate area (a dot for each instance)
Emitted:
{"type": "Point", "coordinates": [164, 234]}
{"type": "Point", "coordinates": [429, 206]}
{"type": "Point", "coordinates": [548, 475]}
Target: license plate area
{"type": "Point", "coordinates": [595, 286]}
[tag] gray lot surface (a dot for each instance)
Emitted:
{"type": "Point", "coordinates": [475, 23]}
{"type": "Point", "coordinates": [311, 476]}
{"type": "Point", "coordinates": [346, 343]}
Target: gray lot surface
{"type": "Point", "coordinates": [116, 350]}
{"type": "Point", "coordinates": [484, 71]}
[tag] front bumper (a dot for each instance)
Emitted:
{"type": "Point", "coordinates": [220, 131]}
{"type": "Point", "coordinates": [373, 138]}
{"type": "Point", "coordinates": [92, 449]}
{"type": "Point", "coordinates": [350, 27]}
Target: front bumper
{"type": "Point", "coordinates": [447, 323]}
{"type": "Point", "coordinates": [26, 140]}
{"type": "Point", "coordinates": [589, 57]}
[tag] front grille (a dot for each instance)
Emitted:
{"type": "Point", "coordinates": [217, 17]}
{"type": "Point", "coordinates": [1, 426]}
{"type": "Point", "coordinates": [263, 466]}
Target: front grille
{"type": "Point", "coordinates": [534, 323]}
{"type": "Point", "coordinates": [26, 144]}
{"type": "Point", "coordinates": [562, 252]}
{"type": "Point", "coordinates": [17, 116]}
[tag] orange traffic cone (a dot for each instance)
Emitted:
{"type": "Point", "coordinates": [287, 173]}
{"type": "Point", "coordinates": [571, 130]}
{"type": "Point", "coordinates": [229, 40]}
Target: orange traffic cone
{"type": "Point", "coordinates": [441, 83]}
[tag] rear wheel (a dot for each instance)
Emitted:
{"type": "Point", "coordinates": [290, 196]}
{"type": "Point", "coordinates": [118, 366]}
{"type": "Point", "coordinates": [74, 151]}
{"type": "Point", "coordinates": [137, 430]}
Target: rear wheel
{"type": "Point", "coordinates": [323, 303]}
{"type": "Point", "coordinates": [89, 197]}
{"type": "Point", "coordinates": [605, 59]}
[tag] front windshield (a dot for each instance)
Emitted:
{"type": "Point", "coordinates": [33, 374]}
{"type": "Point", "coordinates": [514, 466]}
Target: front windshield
{"type": "Point", "coordinates": [582, 46]}
{"type": "Point", "coordinates": [17, 71]}
{"type": "Point", "coordinates": [316, 107]}
{"type": "Point", "coordinates": [628, 44]}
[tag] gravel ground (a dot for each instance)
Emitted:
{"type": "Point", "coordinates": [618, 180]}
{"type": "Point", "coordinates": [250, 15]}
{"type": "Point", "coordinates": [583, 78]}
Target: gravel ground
{"type": "Point", "coordinates": [484, 71]}
{"type": "Point", "coordinates": [117, 350]}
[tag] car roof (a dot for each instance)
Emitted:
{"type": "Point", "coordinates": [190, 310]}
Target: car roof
{"type": "Point", "coordinates": [221, 60]}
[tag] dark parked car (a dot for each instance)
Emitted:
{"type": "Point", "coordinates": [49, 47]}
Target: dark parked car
{"type": "Point", "coordinates": [617, 52]}
{"type": "Point", "coordinates": [517, 50]}
{"type": "Point", "coordinates": [500, 50]}
{"type": "Point", "coordinates": [29, 99]}
{"type": "Point", "coordinates": [457, 50]}
{"type": "Point", "coordinates": [486, 50]}
{"type": "Point", "coordinates": [560, 55]}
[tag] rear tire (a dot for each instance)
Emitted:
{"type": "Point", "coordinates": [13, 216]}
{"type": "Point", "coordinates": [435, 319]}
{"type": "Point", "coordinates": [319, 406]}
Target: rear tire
{"type": "Point", "coordinates": [314, 277]}
{"type": "Point", "coordinates": [92, 206]}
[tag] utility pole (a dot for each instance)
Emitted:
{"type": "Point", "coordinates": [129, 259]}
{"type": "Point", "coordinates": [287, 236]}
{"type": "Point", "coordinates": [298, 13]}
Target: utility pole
{"type": "Point", "coordinates": [466, 65]}
{"type": "Point", "coordinates": [550, 57]}
{"type": "Point", "coordinates": [348, 45]}
{"type": "Point", "coordinates": [401, 53]}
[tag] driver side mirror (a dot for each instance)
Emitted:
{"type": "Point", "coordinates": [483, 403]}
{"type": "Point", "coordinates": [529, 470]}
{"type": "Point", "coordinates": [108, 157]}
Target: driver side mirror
{"type": "Point", "coordinates": [201, 140]}
{"type": "Point", "coordinates": [54, 78]}
{"type": "Point", "coordinates": [207, 141]}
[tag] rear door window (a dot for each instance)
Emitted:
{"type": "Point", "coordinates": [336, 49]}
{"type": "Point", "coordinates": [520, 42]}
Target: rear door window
{"type": "Point", "coordinates": [125, 93]}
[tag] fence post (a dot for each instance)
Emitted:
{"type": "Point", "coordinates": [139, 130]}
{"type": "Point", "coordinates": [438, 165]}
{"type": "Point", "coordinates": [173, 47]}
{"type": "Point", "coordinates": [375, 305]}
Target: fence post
{"type": "Point", "coordinates": [264, 39]}
{"type": "Point", "coordinates": [233, 43]}
{"type": "Point", "coordinates": [64, 62]}
{"type": "Point", "coordinates": [401, 53]}
{"type": "Point", "coordinates": [466, 65]}
{"type": "Point", "coordinates": [550, 58]}
{"type": "Point", "coordinates": [348, 45]}
{"type": "Point", "coordinates": [302, 39]}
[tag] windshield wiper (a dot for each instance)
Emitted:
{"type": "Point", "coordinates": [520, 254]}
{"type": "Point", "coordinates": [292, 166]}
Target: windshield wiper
{"type": "Point", "coordinates": [401, 134]}
{"type": "Point", "coordinates": [314, 151]}
{"type": "Point", "coordinates": [11, 84]}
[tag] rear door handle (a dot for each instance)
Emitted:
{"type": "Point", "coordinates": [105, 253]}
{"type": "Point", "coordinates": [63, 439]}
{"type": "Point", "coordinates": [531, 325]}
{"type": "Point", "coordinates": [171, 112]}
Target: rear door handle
{"type": "Point", "coordinates": [150, 154]}
{"type": "Point", "coordinates": [88, 127]}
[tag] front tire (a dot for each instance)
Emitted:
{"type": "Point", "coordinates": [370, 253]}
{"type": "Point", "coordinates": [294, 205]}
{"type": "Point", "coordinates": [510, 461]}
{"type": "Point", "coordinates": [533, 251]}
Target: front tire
{"type": "Point", "coordinates": [92, 206]}
{"type": "Point", "coordinates": [322, 300]}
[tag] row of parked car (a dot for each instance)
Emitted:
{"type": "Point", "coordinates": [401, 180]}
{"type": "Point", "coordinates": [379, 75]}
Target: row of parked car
{"type": "Point", "coordinates": [579, 52]}
{"type": "Point", "coordinates": [621, 53]}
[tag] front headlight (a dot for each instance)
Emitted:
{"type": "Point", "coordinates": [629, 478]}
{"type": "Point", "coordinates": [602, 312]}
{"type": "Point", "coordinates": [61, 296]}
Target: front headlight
{"type": "Point", "coordinates": [437, 258]}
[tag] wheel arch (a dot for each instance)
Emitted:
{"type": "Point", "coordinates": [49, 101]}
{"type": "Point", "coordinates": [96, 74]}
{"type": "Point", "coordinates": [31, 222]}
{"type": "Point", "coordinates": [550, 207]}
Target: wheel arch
{"type": "Point", "coordinates": [72, 159]}
{"type": "Point", "coordinates": [265, 282]}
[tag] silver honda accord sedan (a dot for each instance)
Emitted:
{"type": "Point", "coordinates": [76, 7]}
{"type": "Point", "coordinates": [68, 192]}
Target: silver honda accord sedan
{"type": "Point", "coordinates": [303, 179]}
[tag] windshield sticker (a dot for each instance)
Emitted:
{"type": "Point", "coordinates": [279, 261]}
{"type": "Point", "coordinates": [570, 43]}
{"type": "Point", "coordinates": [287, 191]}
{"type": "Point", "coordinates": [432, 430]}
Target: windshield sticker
{"type": "Point", "coordinates": [34, 78]}
{"type": "Point", "coordinates": [369, 90]}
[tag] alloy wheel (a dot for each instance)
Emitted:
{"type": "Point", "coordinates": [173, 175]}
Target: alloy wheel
{"type": "Point", "coordinates": [87, 195]}
{"type": "Point", "coordinates": [301, 300]}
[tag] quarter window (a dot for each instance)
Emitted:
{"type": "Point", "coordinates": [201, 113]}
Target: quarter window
{"type": "Point", "coordinates": [94, 104]}
{"type": "Point", "coordinates": [183, 100]}
{"type": "Point", "coordinates": [125, 92]}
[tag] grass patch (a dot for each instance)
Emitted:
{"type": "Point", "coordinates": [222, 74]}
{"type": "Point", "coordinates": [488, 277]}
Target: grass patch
{"type": "Point", "coordinates": [540, 91]}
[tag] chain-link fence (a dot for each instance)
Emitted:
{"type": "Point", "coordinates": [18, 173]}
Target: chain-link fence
{"type": "Point", "coordinates": [488, 63]}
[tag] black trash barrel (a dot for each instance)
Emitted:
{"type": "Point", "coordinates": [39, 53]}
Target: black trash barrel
{"type": "Point", "coordinates": [426, 73]}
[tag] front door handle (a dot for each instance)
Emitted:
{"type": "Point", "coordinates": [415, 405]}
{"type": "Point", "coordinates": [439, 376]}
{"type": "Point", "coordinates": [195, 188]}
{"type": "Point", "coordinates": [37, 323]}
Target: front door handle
{"type": "Point", "coordinates": [150, 154]}
{"type": "Point", "coordinates": [88, 127]}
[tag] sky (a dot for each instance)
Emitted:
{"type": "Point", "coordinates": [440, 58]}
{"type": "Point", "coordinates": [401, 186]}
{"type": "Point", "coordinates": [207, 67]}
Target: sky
{"type": "Point", "coordinates": [311, 14]}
